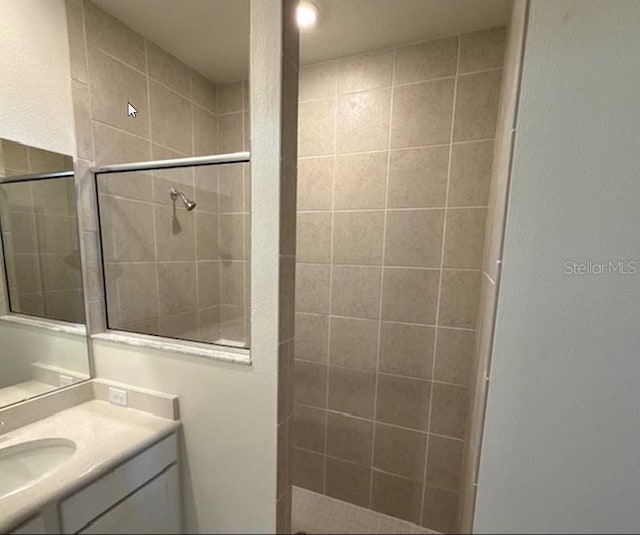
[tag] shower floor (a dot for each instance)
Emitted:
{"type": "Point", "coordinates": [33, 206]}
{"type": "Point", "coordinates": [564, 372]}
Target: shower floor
{"type": "Point", "coordinates": [315, 513]}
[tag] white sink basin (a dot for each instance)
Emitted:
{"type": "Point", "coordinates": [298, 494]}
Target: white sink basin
{"type": "Point", "coordinates": [24, 464]}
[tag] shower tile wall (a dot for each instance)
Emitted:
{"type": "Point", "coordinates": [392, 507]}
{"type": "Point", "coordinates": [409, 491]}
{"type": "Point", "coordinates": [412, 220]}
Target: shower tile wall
{"type": "Point", "coordinates": [172, 273]}
{"type": "Point", "coordinates": [39, 224]}
{"type": "Point", "coordinates": [395, 155]}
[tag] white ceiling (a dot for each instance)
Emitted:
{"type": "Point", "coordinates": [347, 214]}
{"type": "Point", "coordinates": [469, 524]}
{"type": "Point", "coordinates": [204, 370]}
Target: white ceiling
{"type": "Point", "coordinates": [212, 36]}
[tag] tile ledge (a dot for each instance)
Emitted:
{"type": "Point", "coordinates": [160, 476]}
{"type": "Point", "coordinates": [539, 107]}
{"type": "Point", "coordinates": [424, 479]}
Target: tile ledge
{"type": "Point", "coordinates": [210, 351]}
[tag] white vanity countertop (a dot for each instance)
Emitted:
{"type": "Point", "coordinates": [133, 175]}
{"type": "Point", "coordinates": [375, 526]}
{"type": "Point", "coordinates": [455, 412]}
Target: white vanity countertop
{"type": "Point", "coordinates": [105, 435]}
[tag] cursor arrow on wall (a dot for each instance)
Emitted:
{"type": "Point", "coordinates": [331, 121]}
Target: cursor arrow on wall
{"type": "Point", "coordinates": [131, 111]}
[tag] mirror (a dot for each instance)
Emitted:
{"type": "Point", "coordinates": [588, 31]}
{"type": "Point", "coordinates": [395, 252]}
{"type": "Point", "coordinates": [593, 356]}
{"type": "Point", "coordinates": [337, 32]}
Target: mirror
{"type": "Point", "coordinates": [42, 331]}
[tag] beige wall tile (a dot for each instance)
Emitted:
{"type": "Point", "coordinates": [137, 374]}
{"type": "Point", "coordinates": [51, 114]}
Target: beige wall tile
{"type": "Point", "coordinates": [130, 281]}
{"type": "Point", "coordinates": [27, 273]}
{"type": "Point", "coordinates": [363, 120]}
{"type": "Point", "coordinates": [354, 343]}
{"type": "Point", "coordinates": [360, 180]}
{"type": "Point", "coordinates": [317, 81]}
{"type": "Point", "coordinates": [477, 106]}
{"type": "Point", "coordinates": [422, 114]}
{"type": "Point", "coordinates": [230, 133]}
{"type": "Point", "coordinates": [112, 85]}
{"type": "Point", "coordinates": [208, 283]}
{"type": "Point", "coordinates": [312, 337]}
{"type": "Point", "coordinates": [23, 232]}
{"type": "Point", "coordinates": [127, 230]}
{"type": "Point", "coordinates": [312, 288]}
{"type": "Point", "coordinates": [56, 234]}
{"type": "Point", "coordinates": [308, 470]}
{"type": "Point", "coordinates": [316, 127]}
{"type": "Point", "coordinates": [315, 183]}
{"type": "Point", "coordinates": [82, 119]}
{"type": "Point", "coordinates": [109, 34]}
{"type": "Point", "coordinates": [351, 391]}
{"type": "Point", "coordinates": [454, 356]}
{"type": "Point", "coordinates": [114, 146]}
{"type": "Point", "coordinates": [176, 287]}
{"type": "Point", "coordinates": [232, 283]}
{"type": "Point", "coordinates": [482, 50]}
{"type": "Point", "coordinates": [440, 510]}
{"type": "Point", "coordinates": [444, 462]}
{"type": "Point", "coordinates": [168, 70]}
{"type": "Point", "coordinates": [414, 238]}
{"type": "Point", "coordinates": [313, 237]}
{"type": "Point", "coordinates": [418, 177]}
{"type": "Point", "coordinates": [356, 291]}
{"type": "Point", "coordinates": [209, 244]}
{"type": "Point", "coordinates": [205, 132]}
{"type": "Point", "coordinates": [470, 173]}
{"type": "Point", "coordinates": [463, 245]}
{"type": "Point", "coordinates": [425, 61]}
{"type": "Point", "coordinates": [15, 155]}
{"type": "Point", "coordinates": [410, 295]}
{"type": "Point", "coordinates": [286, 298]}
{"type": "Point", "coordinates": [171, 122]}
{"type": "Point", "coordinates": [349, 438]}
{"type": "Point", "coordinates": [183, 325]}
{"type": "Point", "coordinates": [450, 410]}
{"type": "Point", "coordinates": [175, 234]}
{"type": "Point", "coordinates": [396, 496]}
{"type": "Point", "coordinates": [368, 71]}
{"type": "Point", "coordinates": [357, 237]}
{"type": "Point", "coordinates": [310, 383]}
{"type": "Point", "coordinates": [406, 349]}
{"type": "Point", "coordinates": [207, 191]}
{"type": "Point", "coordinates": [203, 91]}
{"type": "Point", "coordinates": [209, 324]}
{"type": "Point", "coordinates": [231, 235]}
{"type": "Point", "coordinates": [310, 428]}
{"type": "Point", "coordinates": [403, 401]}
{"type": "Point", "coordinates": [230, 97]}
{"type": "Point", "coordinates": [348, 482]}
{"type": "Point", "coordinates": [459, 299]}
{"type": "Point", "coordinates": [400, 451]}
{"type": "Point", "coordinates": [231, 189]}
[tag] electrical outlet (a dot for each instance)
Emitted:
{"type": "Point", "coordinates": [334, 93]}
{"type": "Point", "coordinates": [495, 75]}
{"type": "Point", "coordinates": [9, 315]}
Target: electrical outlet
{"type": "Point", "coordinates": [64, 380]}
{"type": "Point", "coordinates": [117, 396]}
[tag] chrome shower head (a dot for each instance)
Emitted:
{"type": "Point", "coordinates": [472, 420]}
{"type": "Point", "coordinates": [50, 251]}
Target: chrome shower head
{"type": "Point", "coordinates": [188, 204]}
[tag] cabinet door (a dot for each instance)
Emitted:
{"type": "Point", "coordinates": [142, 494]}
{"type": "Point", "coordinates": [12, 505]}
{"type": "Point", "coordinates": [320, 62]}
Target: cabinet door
{"type": "Point", "coordinates": [154, 508]}
{"type": "Point", "coordinates": [35, 525]}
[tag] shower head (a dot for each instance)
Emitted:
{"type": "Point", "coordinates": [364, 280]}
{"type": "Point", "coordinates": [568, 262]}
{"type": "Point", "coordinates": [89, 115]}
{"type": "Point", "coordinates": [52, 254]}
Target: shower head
{"type": "Point", "coordinates": [188, 204]}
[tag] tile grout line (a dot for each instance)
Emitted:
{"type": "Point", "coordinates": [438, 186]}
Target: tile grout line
{"type": "Point", "coordinates": [155, 236]}
{"type": "Point", "coordinates": [331, 253]}
{"type": "Point", "coordinates": [382, 260]}
{"type": "Point", "coordinates": [442, 255]}
{"type": "Point", "coordinates": [397, 149]}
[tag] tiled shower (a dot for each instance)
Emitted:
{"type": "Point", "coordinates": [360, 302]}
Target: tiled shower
{"type": "Point", "coordinates": [395, 156]}
{"type": "Point", "coordinates": [167, 271]}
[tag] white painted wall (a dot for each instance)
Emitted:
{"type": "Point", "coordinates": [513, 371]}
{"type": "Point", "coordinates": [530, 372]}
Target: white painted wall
{"type": "Point", "coordinates": [35, 86]}
{"type": "Point", "coordinates": [561, 444]}
{"type": "Point", "coordinates": [22, 345]}
{"type": "Point", "coordinates": [228, 416]}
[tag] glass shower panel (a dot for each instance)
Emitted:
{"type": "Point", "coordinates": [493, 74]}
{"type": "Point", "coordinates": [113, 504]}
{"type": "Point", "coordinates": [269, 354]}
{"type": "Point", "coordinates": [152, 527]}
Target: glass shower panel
{"type": "Point", "coordinates": [175, 248]}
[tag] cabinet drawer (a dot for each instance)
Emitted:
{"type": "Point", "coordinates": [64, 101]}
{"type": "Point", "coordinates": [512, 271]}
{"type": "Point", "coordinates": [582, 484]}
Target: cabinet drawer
{"type": "Point", "coordinates": [91, 501]}
{"type": "Point", "coordinates": [153, 508]}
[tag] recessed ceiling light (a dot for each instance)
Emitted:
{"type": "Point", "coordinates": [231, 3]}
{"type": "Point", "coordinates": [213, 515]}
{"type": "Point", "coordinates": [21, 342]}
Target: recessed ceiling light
{"type": "Point", "coordinates": [306, 14]}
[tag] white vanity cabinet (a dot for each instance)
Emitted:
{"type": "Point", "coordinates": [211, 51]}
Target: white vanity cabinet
{"type": "Point", "coordinates": [141, 495]}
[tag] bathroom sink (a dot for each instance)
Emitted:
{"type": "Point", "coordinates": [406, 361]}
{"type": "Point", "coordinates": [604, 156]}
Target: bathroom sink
{"type": "Point", "coordinates": [24, 464]}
